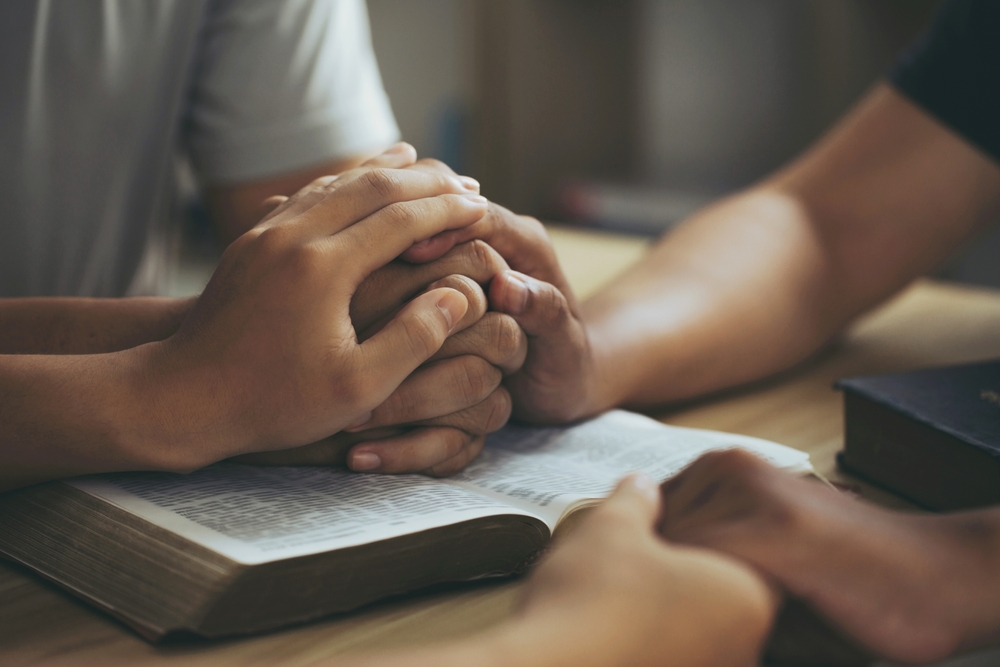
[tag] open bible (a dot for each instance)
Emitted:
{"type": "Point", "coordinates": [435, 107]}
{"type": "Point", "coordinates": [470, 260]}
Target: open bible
{"type": "Point", "coordinates": [233, 549]}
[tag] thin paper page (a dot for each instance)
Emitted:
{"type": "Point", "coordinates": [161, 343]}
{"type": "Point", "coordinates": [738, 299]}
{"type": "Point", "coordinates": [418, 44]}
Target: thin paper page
{"type": "Point", "coordinates": [546, 470]}
{"type": "Point", "coordinates": [255, 515]}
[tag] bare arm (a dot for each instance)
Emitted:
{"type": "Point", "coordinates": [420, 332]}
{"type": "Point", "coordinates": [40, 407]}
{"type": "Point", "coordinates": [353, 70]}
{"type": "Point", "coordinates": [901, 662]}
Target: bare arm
{"type": "Point", "coordinates": [752, 284]}
{"type": "Point", "coordinates": [759, 281]}
{"type": "Point", "coordinates": [203, 394]}
{"type": "Point", "coordinates": [86, 326]}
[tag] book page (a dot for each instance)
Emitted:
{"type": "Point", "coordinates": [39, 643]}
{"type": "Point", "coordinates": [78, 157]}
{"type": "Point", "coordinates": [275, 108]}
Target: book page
{"type": "Point", "coordinates": [546, 470]}
{"type": "Point", "coordinates": [259, 514]}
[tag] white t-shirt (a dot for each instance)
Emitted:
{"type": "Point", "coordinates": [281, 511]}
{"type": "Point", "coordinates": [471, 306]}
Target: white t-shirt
{"type": "Point", "coordinates": [98, 96]}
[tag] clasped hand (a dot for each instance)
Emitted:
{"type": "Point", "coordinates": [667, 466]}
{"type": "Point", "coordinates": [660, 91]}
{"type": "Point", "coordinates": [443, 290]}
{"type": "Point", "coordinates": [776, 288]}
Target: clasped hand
{"type": "Point", "coordinates": [436, 420]}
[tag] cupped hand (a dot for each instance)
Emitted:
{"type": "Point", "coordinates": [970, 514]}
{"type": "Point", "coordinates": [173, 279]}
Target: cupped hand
{"type": "Point", "coordinates": [268, 357]}
{"type": "Point", "coordinates": [560, 379]}
{"type": "Point", "coordinates": [907, 586]}
{"type": "Point", "coordinates": [614, 592]}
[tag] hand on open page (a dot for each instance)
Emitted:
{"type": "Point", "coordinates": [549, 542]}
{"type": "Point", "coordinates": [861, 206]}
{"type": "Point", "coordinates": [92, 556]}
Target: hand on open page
{"type": "Point", "coordinates": [910, 587]}
{"type": "Point", "coordinates": [268, 357]}
{"type": "Point", "coordinates": [435, 422]}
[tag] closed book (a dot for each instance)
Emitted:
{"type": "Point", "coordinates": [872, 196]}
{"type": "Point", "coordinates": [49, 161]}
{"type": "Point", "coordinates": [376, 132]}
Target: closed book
{"type": "Point", "coordinates": [931, 435]}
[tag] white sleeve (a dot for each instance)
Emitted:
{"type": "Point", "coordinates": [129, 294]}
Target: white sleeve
{"type": "Point", "coordinates": [281, 85]}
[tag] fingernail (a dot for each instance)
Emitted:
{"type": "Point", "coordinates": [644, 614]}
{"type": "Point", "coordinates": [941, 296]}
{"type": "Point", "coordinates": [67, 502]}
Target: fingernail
{"type": "Point", "coordinates": [453, 306]}
{"type": "Point", "coordinates": [645, 485]}
{"type": "Point", "coordinates": [476, 199]}
{"type": "Point", "coordinates": [360, 421]}
{"type": "Point", "coordinates": [517, 300]}
{"type": "Point", "coordinates": [469, 183]}
{"type": "Point", "coordinates": [365, 461]}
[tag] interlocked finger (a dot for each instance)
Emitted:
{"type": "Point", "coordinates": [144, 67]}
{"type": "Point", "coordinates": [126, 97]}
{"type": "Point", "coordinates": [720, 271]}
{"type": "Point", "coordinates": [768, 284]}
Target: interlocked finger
{"type": "Point", "coordinates": [496, 337]}
{"type": "Point", "coordinates": [437, 391]}
{"type": "Point", "coordinates": [416, 451]}
{"type": "Point", "coordinates": [457, 463]}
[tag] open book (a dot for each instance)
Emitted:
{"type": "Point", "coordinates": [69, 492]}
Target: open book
{"type": "Point", "coordinates": [233, 549]}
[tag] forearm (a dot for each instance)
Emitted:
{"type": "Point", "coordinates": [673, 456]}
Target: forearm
{"type": "Point", "coordinates": [754, 284]}
{"type": "Point", "coordinates": [86, 326]}
{"type": "Point", "coordinates": [742, 290]}
{"type": "Point", "coordinates": [68, 415]}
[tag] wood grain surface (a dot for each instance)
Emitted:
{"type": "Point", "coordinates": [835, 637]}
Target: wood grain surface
{"type": "Point", "coordinates": [929, 324]}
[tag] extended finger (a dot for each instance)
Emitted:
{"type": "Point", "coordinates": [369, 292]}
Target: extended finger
{"type": "Point", "coordinates": [397, 156]}
{"type": "Point", "coordinates": [438, 167]}
{"type": "Point", "coordinates": [441, 388]}
{"type": "Point", "coordinates": [384, 234]}
{"type": "Point", "coordinates": [332, 203]}
{"type": "Point", "coordinates": [330, 451]}
{"type": "Point", "coordinates": [417, 450]}
{"type": "Point", "coordinates": [496, 337]}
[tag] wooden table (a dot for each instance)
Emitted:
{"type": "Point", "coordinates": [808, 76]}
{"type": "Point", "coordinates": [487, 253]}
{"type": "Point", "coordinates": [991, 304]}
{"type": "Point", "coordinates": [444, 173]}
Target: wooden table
{"type": "Point", "coordinates": [931, 323]}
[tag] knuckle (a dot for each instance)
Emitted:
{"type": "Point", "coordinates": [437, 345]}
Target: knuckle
{"type": "Point", "coordinates": [436, 165]}
{"type": "Point", "coordinates": [535, 228]}
{"type": "Point", "coordinates": [270, 241]}
{"type": "Point", "coordinates": [474, 259]}
{"type": "Point", "coordinates": [554, 306]}
{"type": "Point", "coordinates": [307, 259]}
{"type": "Point", "coordinates": [396, 409]}
{"type": "Point", "coordinates": [477, 379]}
{"type": "Point", "coordinates": [422, 335]}
{"type": "Point", "coordinates": [402, 214]}
{"type": "Point", "coordinates": [482, 255]}
{"type": "Point", "coordinates": [499, 409]}
{"type": "Point", "coordinates": [506, 335]}
{"type": "Point", "coordinates": [385, 182]}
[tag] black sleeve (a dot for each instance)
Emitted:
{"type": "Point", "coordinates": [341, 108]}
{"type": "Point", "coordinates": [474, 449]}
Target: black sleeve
{"type": "Point", "coordinates": [953, 71]}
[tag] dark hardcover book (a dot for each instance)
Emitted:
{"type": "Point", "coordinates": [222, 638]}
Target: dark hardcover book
{"type": "Point", "coordinates": [932, 436]}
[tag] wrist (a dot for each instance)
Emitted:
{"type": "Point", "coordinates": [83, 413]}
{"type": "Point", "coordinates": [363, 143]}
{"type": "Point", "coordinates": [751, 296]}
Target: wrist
{"type": "Point", "coordinates": [611, 383]}
{"type": "Point", "coordinates": [171, 418]}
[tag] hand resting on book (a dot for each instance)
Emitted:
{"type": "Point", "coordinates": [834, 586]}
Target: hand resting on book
{"type": "Point", "coordinates": [267, 358]}
{"type": "Point", "coordinates": [436, 421]}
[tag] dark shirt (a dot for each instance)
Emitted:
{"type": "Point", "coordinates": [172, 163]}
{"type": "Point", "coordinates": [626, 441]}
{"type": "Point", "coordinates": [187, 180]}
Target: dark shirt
{"type": "Point", "coordinates": [953, 71]}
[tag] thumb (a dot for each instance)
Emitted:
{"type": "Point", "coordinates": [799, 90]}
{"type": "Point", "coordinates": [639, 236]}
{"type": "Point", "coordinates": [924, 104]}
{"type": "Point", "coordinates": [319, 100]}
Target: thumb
{"type": "Point", "coordinates": [412, 337]}
{"type": "Point", "coordinates": [540, 308]}
{"type": "Point", "coordinates": [635, 499]}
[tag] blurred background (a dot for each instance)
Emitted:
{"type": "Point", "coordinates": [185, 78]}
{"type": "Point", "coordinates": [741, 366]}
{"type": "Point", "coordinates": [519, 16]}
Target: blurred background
{"type": "Point", "coordinates": [629, 114]}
